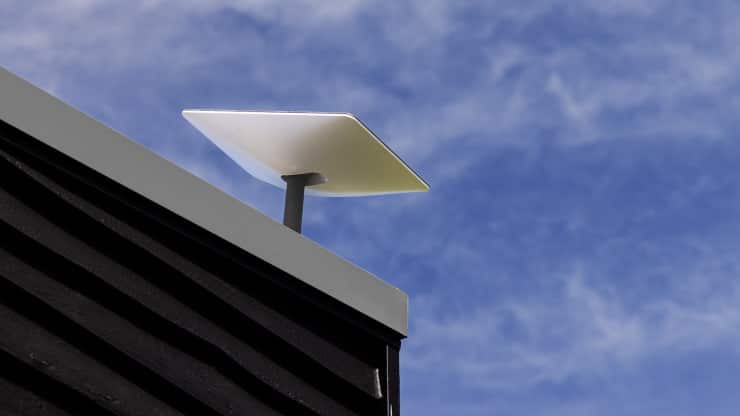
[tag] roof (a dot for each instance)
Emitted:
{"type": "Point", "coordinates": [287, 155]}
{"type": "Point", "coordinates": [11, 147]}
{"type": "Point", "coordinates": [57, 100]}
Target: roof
{"type": "Point", "coordinates": [108, 152]}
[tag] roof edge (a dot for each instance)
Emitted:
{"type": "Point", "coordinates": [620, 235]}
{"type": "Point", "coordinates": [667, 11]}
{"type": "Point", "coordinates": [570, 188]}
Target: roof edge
{"type": "Point", "coordinates": [79, 136]}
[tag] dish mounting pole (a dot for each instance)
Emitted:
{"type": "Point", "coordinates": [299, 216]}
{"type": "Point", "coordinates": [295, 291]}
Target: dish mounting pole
{"type": "Point", "coordinates": [296, 185]}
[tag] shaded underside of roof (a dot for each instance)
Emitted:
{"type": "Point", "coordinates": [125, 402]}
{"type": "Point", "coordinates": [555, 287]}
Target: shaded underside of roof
{"type": "Point", "coordinates": [112, 304]}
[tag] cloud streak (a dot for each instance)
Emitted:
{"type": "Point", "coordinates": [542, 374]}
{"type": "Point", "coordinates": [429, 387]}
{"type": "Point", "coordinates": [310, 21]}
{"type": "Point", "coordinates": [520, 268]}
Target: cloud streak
{"type": "Point", "coordinates": [582, 330]}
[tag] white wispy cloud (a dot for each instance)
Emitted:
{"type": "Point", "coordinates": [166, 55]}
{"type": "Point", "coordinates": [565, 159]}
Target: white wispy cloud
{"type": "Point", "coordinates": [508, 90]}
{"type": "Point", "coordinates": [579, 331]}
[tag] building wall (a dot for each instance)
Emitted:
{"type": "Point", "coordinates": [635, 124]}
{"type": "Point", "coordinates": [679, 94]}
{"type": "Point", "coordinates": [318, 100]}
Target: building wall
{"type": "Point", "coordinates": [110, 304]}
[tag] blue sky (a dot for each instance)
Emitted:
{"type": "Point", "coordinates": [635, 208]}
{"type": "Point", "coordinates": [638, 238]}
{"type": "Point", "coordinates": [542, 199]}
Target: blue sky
{"type": "Point", "coordinates": [578, 251]}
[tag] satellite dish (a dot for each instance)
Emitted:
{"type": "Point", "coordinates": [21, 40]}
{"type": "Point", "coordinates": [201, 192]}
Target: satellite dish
{"type": "Point", "coordinates": [323, 154]}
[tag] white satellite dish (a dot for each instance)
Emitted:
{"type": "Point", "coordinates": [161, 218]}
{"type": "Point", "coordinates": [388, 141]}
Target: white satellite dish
{"type": "Point", "coordinates": [327, 154]}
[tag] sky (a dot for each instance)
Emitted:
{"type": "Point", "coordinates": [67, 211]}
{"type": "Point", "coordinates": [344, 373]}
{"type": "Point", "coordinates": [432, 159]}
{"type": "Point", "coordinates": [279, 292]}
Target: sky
{"type": "Point", "coordinates": [577, 253]}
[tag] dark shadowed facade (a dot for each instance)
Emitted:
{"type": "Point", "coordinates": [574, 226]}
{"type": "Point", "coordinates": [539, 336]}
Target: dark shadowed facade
{"type": "Point", "coordinates": [130, 287]}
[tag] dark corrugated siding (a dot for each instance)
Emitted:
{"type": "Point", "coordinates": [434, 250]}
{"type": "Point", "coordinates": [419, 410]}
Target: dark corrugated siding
{"type": "Point", "coordinates": [110, 303]}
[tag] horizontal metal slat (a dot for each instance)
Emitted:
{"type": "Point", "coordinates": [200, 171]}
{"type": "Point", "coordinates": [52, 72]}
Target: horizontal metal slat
{"type": "Point", "coordinates": [199, 380]}
{"type": "Point", "coordinates": [230, 356]}
{"type": "Point", "coordinates": [58, 360]}
{"type": "Point", "coordinates": [17, 401]}
{"type": "Point", "coordinates": [327, 355]}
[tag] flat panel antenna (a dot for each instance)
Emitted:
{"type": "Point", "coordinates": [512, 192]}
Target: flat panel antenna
{"type": "Point", "coordinates": [322, 154]}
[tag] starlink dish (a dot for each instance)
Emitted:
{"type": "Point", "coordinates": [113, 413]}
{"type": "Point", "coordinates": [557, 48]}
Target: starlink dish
{"type": "Point", "coordinates": [269, 145]}
{"type": "Point", "coordinates": [330, 154]}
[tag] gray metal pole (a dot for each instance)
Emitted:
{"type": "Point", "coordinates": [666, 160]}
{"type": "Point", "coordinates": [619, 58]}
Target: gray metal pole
{"type": "Point", "coordinates": [293, 213]}
{"type": "Point", "coordinates": [296, 185]}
